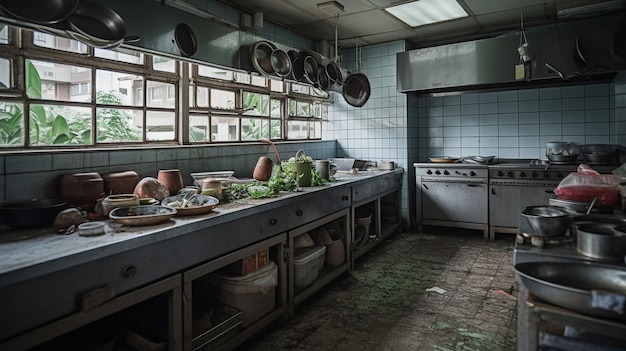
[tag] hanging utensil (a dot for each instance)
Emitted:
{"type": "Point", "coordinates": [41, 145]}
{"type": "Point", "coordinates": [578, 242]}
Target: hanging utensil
{"type": "Point", "coordinates": [185, 39]}
{"type": "Point", "coordinates": [41, 12]}
{"type": "Point", "coordinates": [97, 25]}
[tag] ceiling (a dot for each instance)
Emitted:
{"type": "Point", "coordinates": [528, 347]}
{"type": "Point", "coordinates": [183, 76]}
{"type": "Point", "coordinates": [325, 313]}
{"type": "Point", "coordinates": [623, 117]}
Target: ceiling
{"type": "Point", "coordinates": [365, 22]}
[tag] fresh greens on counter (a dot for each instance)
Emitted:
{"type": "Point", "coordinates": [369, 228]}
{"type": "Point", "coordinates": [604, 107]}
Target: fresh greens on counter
{"type": "Point", "coordinates": [280, 181]}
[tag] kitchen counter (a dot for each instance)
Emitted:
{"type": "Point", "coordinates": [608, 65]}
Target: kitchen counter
{"type": "Point", "coordinates": [54, 274]}
{"type": "Point", "coordinates": [29, 253]}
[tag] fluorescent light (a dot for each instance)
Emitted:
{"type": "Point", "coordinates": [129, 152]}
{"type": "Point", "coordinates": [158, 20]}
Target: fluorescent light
{"type": "Point", "coordinates": [421, 12]}
{"type": "Point", "coordinates": [600, 7]}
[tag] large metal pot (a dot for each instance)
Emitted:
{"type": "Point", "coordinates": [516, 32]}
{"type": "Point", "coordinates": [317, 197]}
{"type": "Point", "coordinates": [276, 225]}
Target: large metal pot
{"type": "Point", "coordinates": [574, 285]}
{"type": "Point", "coordinates": [600, 240]}
{"type": "Point", "coordinates": [37, 11]}
{"type": "Point", "coordinates": [547, 221]}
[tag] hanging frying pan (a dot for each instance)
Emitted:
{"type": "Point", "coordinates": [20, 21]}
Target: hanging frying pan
{"type": "Point", "coordinates": [356, 89]}
{"type": "Point", "coordinates": [323, 81]}
{"type": "Point", "coordinates": [37, 11]}
{"type": "Point", "coordinates": [311, 70]}
{"type": "Point", "coordinates": [281, 64]}
{"type": "Point", "coordinates": [260, 54]}
{"type": "Point", "coordinates": [185, 39]}
{"type": "Point", "coordinates": [97, 25]}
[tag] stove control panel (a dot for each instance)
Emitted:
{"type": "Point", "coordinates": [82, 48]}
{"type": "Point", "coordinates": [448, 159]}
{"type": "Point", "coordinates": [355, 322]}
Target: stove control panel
{"type": "Point", "coordinates": [455, 170]}
{"type": "Point", "coordinates": [529, 174]}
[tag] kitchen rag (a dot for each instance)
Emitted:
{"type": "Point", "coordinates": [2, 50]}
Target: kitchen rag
{"type": "Point", "coordinates": [607, 300]}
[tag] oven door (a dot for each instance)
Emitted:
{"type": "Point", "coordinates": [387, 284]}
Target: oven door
{"type": "Point", "coordinates": [455, 200]}
{"type": "Point", "coordinates": [507, 200]}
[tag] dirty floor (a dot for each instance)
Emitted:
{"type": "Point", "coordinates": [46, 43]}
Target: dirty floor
{"type": "Point", "coordinates": [385, 303]}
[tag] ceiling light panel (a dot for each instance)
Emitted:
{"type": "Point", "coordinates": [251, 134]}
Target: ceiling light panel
{"type": "Point", "coordinates": [421, 12]}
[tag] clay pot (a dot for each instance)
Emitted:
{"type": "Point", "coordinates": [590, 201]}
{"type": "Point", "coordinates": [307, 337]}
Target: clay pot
{"type": "Point", "coordinates": [120, 182]}
{"type": "Point", "coordinates": [172, 179]}
{"type": "Point", "coordinates": [82, 189]}
{"type": "Point", "coordinates": [263, 169]}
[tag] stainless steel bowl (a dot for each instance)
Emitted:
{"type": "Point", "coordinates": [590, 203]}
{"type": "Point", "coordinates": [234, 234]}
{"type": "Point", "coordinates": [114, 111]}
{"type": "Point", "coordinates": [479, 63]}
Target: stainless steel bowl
{"type": "Point", "coordinates": [600, 240]}
{"type": "Point", "coordinates": [547, 221]}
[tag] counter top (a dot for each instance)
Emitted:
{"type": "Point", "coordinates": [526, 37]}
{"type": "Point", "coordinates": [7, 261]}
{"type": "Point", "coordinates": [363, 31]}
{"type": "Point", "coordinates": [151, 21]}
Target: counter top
{"type": "Point", "coordinates": [30, 253]}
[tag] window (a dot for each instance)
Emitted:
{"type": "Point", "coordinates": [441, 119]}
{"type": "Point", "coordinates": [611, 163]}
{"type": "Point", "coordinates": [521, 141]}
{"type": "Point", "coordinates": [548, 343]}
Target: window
{"type": "Point", "coordinates": [78, 96]}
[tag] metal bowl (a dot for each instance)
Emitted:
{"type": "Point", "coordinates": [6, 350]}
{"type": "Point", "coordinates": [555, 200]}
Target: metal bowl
{"type": "Point", "coordinates": [142, 215]}
{"type": "Point", "coordinates": [547, 221]}
{"type": "Point", "coordinates": [600, 240]}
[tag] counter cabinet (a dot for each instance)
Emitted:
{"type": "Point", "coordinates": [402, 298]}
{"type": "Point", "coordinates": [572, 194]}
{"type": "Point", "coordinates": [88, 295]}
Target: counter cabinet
{"type": "Point", "coordinates": [153, 293]}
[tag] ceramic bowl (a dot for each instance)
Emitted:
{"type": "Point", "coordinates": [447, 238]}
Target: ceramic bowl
{"type": "Point", "coordinates": [199, 204]}
{"type": "Point", "coordinates": [142, 215]}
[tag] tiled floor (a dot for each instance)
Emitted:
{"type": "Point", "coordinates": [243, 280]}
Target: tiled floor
{"type": "Point", "coordinates": [384, 304]}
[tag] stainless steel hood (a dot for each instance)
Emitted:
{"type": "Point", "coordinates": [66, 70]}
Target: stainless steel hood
{"type": "Point", "coordinates": [560, 55]}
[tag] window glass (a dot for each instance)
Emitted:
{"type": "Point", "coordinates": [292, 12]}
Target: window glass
{"type": "Point", "coordinates": [59, 43]}
{"type": "Point", "coordinates": [315, 131]}
{"type": "Point", "coordinates": [59, 125]}
{"type": "Point", "coordinates": [199, 128]}
{"type": "Point", "coordinates": [4, 33]}
{"type": "Point", "coordinates": [52, 81]}
{"type": "Point", "coordinates": [299, 108]}
{"type": "Point", "coordinates": [277, 85]}
{"type": "Point", "coordinates": [202, 97]}
{"type": "Point", "coordinates": [256, 104]}
{"type": "Point", "coordinates": [297, 129]}
{"type": "Point", "coordinates": [5, 73]}
{"type": "Point", "coordinates": [127, 88]}
{"type": "Point", "coordinates": [119, 125]}
{"type": "Point", "coordinates": [255, 129]}
{"type": "Point", "coordinates": [258, 81]}
{"type": "Point", "coordinates": [215, 72]}
{"type": "Point", "coordinates": [224, 128]}
{"type": "Point", "coordinates": [164, 64]}
{"type": "Point", "coordinates": [11, 124]}
{"type": "Point", "coordinates": [160, 125]}
{"type": "Point", "coordinates": [300, 88]}
{"type": "Point", "coordinates": [158, 95]}
{"type": "Point", "coordinates": [275, 108]}
{"type": "Point", "coordinates": [128, 56]}
{"type": "Point", "coordinates": [276, 131]}
{"type": "Point", "coordinates": [222, 99]}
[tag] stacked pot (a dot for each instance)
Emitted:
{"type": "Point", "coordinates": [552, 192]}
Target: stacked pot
{"type": "Point", "coordinates": [308, 67]}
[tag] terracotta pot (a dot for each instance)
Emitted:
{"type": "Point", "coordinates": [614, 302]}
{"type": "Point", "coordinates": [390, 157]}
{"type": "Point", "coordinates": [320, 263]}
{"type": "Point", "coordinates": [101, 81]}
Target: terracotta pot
{"type": "Point", "coordinates": [120, 182]}
{"type": "Point", "coordinates": [172, 179]}
{"type": "Point", "coordinates": [263, 170]}
{"type": "Point", "coordinates": [82, 189]}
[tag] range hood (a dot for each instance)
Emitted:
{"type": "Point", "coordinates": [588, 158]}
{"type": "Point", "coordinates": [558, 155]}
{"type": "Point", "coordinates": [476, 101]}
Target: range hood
{"type": "Point", "coordinates": [566, 53]}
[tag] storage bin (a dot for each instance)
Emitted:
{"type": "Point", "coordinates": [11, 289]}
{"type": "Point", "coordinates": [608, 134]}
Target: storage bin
{"type": "Point", "coordinates": [308, 262]}
{"type": "Point", "coordinates": [254, 294]}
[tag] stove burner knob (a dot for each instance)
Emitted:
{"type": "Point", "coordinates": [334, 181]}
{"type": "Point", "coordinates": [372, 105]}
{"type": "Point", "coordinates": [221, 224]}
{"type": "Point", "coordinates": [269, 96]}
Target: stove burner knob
{"type": "Point", "coordinates": [522, 174]}
{"type": "Point", "coordinates": [437, 172]}
{"type": "Point", "coordinates": [472, 173]}
{"type": "Point", "coordinates": [429, 172]}
{"type": "Point", "coordinates": [510, 174]}
{"type": "Point", "coordinates": [446, 172]}
{"type": "Point", "coordinates": [534, 174]}
{"type": "Point", "coordinates": [500, 173]}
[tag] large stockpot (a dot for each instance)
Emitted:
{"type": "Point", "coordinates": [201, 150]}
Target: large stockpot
{"type": "Point", "coordinates": [547, 221]}
{"type": "Point", "coordinates": [574, 285]}
{"type": "Point", "coordinates": [599, 238]}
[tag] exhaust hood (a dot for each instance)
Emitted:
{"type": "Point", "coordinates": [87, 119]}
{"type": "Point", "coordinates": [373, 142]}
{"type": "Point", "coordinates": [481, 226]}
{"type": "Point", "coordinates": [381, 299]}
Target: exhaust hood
{"type": "Point", "coordinates": [562, 55]}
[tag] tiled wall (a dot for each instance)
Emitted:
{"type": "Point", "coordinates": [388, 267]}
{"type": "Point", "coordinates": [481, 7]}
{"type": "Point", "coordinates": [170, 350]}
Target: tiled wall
{"type": "Point", "coordinates": [378, 130]}
{"type": "Point", "coordinates": [518, 123]}
{"type": "Point", "coordinates": [32, 176]}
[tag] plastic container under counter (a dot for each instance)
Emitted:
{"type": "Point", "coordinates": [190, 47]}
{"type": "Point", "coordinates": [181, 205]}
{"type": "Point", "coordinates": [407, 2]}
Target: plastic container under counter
{"type": "Point", "coordinates": [254, 294]}
{"type": "Point", "coordinates": [308, 262]}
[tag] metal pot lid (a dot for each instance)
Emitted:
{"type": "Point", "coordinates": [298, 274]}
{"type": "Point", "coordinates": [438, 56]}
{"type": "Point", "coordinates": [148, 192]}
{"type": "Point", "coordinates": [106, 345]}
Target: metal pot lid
{"type": "Point", "coordinates": [356, 89]}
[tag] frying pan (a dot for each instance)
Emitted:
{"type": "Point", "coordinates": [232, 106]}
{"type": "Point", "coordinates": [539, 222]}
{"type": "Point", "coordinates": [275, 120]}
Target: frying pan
{"type": "Point", "coordinates": [97, 25]}
{"type": "Point", "coordinates": [185, 39]}
{"type": "Point", "coordinates": [356, 89]}
{"type": "Point", "coordinates": [42, 12]}
{"type": "Point", "coordinates": [572, 285]}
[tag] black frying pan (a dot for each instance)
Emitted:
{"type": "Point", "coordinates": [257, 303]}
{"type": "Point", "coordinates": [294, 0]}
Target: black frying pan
{"type": "Point", "coordinates": [185, 39]}
{"type": "Point", "coordinates": [38, 11]}
{"type": "Point", "coordinates": [97, 23]}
